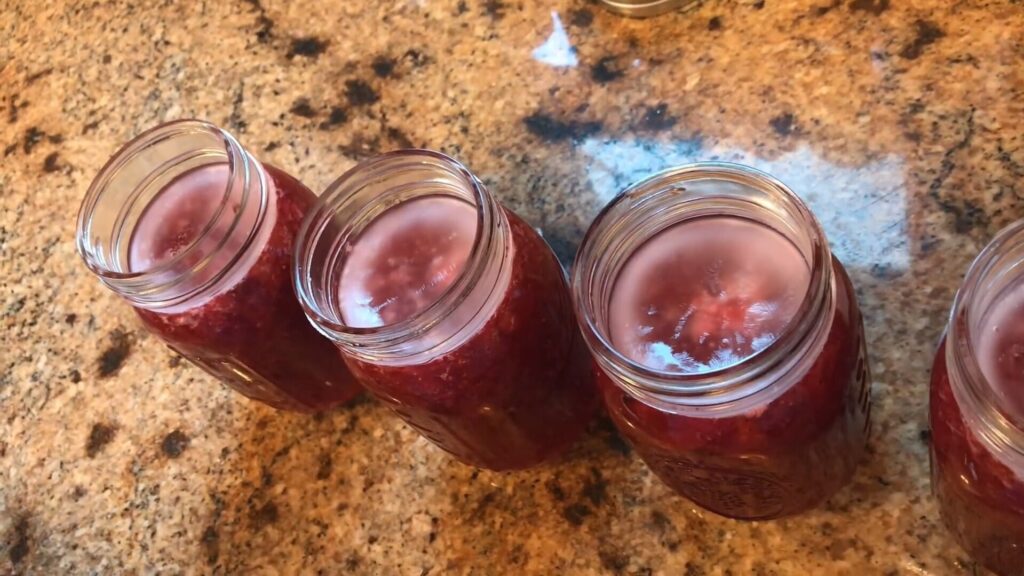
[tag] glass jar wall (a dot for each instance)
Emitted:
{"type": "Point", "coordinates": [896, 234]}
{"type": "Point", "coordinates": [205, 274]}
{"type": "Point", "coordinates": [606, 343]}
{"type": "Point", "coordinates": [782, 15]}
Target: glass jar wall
{"type": "Point", "coordinates": [730, 343]}
{"type": "Point", "coordinates": [450, 309]}
{"type": "Point", "coordinates": [197, 235]}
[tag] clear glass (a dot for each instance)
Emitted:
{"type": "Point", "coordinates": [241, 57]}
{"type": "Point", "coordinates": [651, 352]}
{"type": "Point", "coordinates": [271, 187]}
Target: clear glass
{"type": "Point", "coordinates": [977, 439]}
{"type": "Point", "coordinates": [197, 236]}
{"type": "Point", "coordinates": [772, 435]}
{"type": "Point", "coordinates": [495, 370]}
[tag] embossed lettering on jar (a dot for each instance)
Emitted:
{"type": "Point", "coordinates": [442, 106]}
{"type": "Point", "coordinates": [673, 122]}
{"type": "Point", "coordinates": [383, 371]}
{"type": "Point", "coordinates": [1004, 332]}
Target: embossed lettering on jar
{"type": "Point", "coordinates": [730, 345]}
{"type": "Point", "coordinates": [977, 409]}
{"type": "Point", "coordinates": [197, 235]}
{"type": "Point", "coordinates": [450, 309]}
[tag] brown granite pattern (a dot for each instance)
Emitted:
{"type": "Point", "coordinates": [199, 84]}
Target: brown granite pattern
{"type": "Point", "coordinates": [897, 120]}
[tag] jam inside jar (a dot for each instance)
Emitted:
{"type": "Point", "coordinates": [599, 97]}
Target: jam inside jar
{"type": "Point", "coordinates": [730, 345]}
{"type": "Point", "coordinates": [977, 409]}
{"type": "Point", "coordinates": [197, 235]}
{"type": "Point", "coordinates": [449, 308]}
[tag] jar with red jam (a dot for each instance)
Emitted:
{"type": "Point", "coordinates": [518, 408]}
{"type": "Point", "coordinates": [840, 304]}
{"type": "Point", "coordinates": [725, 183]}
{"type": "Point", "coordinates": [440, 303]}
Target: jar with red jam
{"type": "Point", "coordinates": [449, 308]}
{"type": "Point", "coordinates": [197, 235]}
{"type": "Point", "coordinates": [730, 345]}
{"type": "Point", "coordinates": [977, 409]}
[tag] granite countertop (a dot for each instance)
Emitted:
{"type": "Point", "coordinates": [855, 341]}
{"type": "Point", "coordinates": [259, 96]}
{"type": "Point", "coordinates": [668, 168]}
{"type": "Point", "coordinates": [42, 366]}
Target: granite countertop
{"type": "Point", "coordinates": [897, 121]}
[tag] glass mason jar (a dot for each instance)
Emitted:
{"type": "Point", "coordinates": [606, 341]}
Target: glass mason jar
{"type": "Point", "coordinates": [977, 409]}
{"type": "Point", "coordinates": [197, 235]}
{"type": "Point", "coordinates": [747, 425]}
{"type": "Point", "coordinates": [449, 308]}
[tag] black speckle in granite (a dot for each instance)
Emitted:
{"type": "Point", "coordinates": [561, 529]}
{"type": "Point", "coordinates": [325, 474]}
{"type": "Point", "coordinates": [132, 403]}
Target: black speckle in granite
{"type": "Point", "coordinates": [576, 513]}
{"type": "Point", "coordinates": [337, 117]}
{"type": "Point", "coordinates": [32, 137]}
{"type": "Point", "coordinates": [400, 139]}
{"type": "Point", "coordinates": [417, 58]}
{"type": "Point", "coordinates": [235, 120]}
{"type": "Point", "coordinates": [115, 354]}
{"type": "Point", "coordinates": [495, 9]}
{"type": "Point", "coordinates": [925, 436]}
{"type": "Point", "coordinates": [107, 58]}
{"type": "Point", "coordinates": [78, 493]}
{"type": "Point", "coordinates": [555, 489]}
{"type": "Point", "coordinates": [55, 138]}
{"type": "Point", "coordinates": [90, 126]}
{"type": "Point", "coordinates": [485, 503]}
{"type": "Point", "coordinates": [352, 562]}
{"type": "Point", "coordinates": [875, 7]}
{"type": "Point", "coordinates": [265, 515]}
{"type": "Point", "coordinates": [885, 271]}
{"type": "Point", "coordinates": [595, 488]}
{"type": "Point", "coordinates": [75, 376]}
{"type": "Point", "coordinates": [783, 124]}
{"type": "Point", "coordinates": [51, 162]}
{"type": "Point", "coordinates": [100, 435]}
{"type": "Point", "coordinates": [383, 66]}
{"type": "Point", "coordinates": [174, 361]}
{"type": "Point", "coordinates": [927, 33]}
{"type": "Point", "coordinates": [19, 547]}
{"type": "Point", "coordinates": [3, 448]}
{"type": "Point", "coordinates": [461, 8]}
{"type": "Point", "coordinates": [581, 18]}
{"type": "Point", "coordinates": [10, 149]}
{"type": "Point", "coordinates": [966, 214]}
{"type": "Point", "coordinates": [210, 542]}
{"type": "Point", "coordinates": [659, 521]}
{"type": "Point", "coordinates": [15, 307]}
{"type": "Point", "coordinates": [359, 93]}
{"type": "Point", "coordinates": [606, 70]}
{"type": "Point", "coordinates": [302, 108]}
{"type": "Point", "coordinates": [715, 23]}
{"type": "Point", "coordinates": [266, 26]}
{"type": "Point", "coordinates": [174, 444]}
{"type": "Point", "coordinates": [822, 10]}
{"type": "Point", "coordinates": [70, 319]}
{"type": "Point", "coordinates": [360, 146]}
{"type": "Point", "coordinates": [12, 113]}
{"type": "Point", "coordinates": [274, 145]}
{"type": "Point", "coordinates": [307, 47]}
{"type": "Point", "coordinates": [657, 118]}
{"type": "Point", "coordinates": [929, 243]}
{"type": "Point", "coordinates": [694, 570]}
{"type": "Point", "coordinates": [758, 5]}
{"type": "Point", "coordinates": [613, 561]}
{"type": "Point", "coordinates": [31, 78]}
{"type": "Point", "coordinates": [554, 130]}
{"type": "Point", "coordinates": [323, 471]}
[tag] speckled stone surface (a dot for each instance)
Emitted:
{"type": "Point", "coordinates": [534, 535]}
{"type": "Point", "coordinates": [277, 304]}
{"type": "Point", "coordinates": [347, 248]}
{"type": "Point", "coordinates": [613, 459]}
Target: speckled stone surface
{"type": "Point", "coordinates": [898, 121]}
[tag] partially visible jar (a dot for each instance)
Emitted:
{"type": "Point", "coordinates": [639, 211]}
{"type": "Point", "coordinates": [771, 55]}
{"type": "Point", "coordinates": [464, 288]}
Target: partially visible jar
{"type": "Point", "coordinates": [977, 409]}
{"type": "Point", "coordinates": [197, 235]}
{"type": "Point", "coordinates": [730, 343]}
{"type": "Point", "coordinates": [449, 308]}
{"type": "Point", "coordinates": [647, 8]}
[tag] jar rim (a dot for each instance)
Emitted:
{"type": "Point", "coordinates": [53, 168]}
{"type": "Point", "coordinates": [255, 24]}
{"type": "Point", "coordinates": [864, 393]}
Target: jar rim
{"type": "Point", "coordinates": [145, 286]}
{"type": "Point", "coordinates": [342, 194]}
{"type": "Point", "coordinates": [727, 383]}
{"type": "Point", "coordinates": [968, 380]}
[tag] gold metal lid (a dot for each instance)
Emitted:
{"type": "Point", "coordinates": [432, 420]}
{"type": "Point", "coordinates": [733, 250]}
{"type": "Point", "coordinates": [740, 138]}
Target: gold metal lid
{"type": "Point", "coordinates": [646, 8]}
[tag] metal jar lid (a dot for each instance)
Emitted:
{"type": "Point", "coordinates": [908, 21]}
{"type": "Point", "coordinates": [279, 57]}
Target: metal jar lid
{"type": "Point", "coordinates": [645, 8]}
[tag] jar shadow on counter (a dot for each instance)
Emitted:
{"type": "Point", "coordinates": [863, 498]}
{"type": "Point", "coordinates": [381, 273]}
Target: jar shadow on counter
{"type": "Point", "coordinates": [372, 482]}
